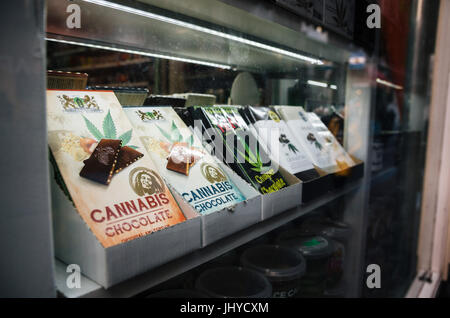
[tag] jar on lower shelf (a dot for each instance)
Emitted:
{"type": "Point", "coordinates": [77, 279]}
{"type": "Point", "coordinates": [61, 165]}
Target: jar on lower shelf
{"type": "Point", "coordinates": [233, 282]}
{"type": "Point", "coordinates": [317, 251]}
{"type": "Point", "coordinates": [283, 267]}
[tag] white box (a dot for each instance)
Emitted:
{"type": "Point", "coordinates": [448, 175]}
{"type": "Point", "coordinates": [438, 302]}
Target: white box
{"type": "Point", "coordinates": [194, 99]}
{"type": "Point", "coordinates": [76, 244]}
{"type": "Point", "coordinates": [284, 199]}
{"type": "Point", "coordinates": [220, 224]}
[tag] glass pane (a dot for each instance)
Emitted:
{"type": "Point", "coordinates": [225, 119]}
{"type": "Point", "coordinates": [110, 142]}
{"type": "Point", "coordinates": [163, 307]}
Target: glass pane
{"type": "Point", "coordinates": [369, 86]}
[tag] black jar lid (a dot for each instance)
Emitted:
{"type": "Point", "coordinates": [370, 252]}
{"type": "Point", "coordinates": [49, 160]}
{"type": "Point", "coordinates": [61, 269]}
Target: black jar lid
{"type": "Point", "coordinates": [327, 227]}
{"type": "Point", "coordinates": [233, 282]}
{"type": "Point", "coordinates": [277, 263]}
{"type": "Point", "coordinates": [311, 246]}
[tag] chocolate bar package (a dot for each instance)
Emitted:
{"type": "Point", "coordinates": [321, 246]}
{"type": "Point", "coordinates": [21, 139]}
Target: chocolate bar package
{"type": "Point", "coordinates": [237, 147]}
{"type": "Point", "coordinates": [250, 121]}
{"type": "Point", "coordinates": [110, 177]}
{"type": "Point", "coordinates": [66, 80]}
{"type": "Point", "coordinates": [182, 160]}
{"type": "Point", "coordinates": [165, 100]}
{"type": "Point", "coordinates": [186, 116]}
{"type": "Point", "coordinates": [313, 143]}
{"type": "Point", "coordinates": [335, 149]}
{"type": "Point", "coordinates": [280, 141]}
{"type": "Point", "coordinates": [194, 99]}
{"type": "Point", "coordinates": [126, 95]}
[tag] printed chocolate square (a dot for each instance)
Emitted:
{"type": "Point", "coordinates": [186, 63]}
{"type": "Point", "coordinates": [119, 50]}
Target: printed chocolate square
{"type": "Point", "coordinates": [100, 165]}
{"type": "Point", "coordinates": [127, 156]}
{"type": "Point", "coordinates": [179, 158]}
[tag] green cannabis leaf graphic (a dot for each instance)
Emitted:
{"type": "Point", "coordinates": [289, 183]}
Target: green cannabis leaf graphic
{"type": "Point", "coordinates": [164, 133]}
{"type": "Point", "coordinates": [292, 148]}
{"type": "Point", "coordinates": [312, 139]}
{"type": "Point", "coordinates": [126, 137]}
{"type": "Point", "coordinates": [175, 135]}
{"type": "Point", "coordinates": [190, 140]}
{"type": "Point", "coordinates": [251, 158]}
{"type": "Point", "coordinates": [93, 130]}
{"type": "Point", "coordinates": [109, 129]}
{"type": "Point", "coordinates": [318, 145]}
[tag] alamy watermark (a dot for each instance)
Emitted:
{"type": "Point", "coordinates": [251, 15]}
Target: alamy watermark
{"type": "Point", "coordinates": [373, 280]}
{"type": "Point", "coordinates": [374, 19]}
{"type": "Point", "coordinates": [73, 21]}
{"type": "Point", "coordinates": [242, 147]}
{"type": "Point", "coordinates": [74, 278]}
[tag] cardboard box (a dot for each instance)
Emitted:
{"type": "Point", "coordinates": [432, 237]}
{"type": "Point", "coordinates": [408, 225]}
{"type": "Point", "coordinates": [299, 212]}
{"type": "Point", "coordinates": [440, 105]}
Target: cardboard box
{"type": "Point", "coordinates": [76, 244]}
{"type": "Point", "coordinates": [194, 99]}
{"type": "Point", "coordinates": [164, 100]}
{"type": "Point", "coordinates": [317, 187]}
{"type": "Point", "coordinates": [349, 175]}
{"type": "Point", "coordinates": [220, 224]}
{"type": "Point", "coordinates": [283, 199]}
{"type": "Point", "coordinates": [127, 96]}
{"type": "Point", "coordinates": [66, 80]}
{"type": "Point", "coordinates": [329, 182]}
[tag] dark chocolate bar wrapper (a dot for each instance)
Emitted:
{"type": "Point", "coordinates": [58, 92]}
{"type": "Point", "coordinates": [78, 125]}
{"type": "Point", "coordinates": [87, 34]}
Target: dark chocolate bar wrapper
{"type": "Point", "coordinates": [127, 96]}
{"type": "Point", "coordinates": [261, 115]}
{"type": "Point", "coordinates": [185, 114]}
{"type": "Point", "coordinates": [100, 165]}
{"type": "Point", "coordinates": [161, 100]}
{"type": "Point", "coordinates": [262, 174]}
{"type": "Point", "coordinates": [66, 80]}
{"type": "Point", "coordinates": [247, 115]}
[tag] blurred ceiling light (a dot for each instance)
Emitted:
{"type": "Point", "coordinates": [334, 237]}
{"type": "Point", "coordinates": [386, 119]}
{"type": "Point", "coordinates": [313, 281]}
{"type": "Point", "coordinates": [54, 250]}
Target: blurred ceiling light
{"type": "Point", "coordinates": [357, 61]}
{"type": "Point", "coordinates": [195, 27]}
{"type": "Point", "coordinates": [161, 56]}
{"type": "Point", "coordinates": [389, 84]}
{"type": "Point", "coordinates": [315, 83]}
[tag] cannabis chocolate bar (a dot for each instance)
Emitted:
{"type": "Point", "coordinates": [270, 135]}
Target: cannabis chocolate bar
{"type": "Point", "coordinates": [279, 140]}
{"type": "Point", "coordinates": [182, 160]}
{"type": "Point", "coordinates": [94, 144]}
{"type": "Point", "coordinates": [66, 80]}
{"type": "Point", "coordinates": [313, 144]}
{"type": "Point", "coordinates": [126, 95]}
{"type": "Point", "coordinates": [331, 144]}
{"type": "Point", "coordinates": [239, 148]}
{"type": "Point", "coordinates": [164, 100]}
{"type": "Point", "coordinates": [185, 114]}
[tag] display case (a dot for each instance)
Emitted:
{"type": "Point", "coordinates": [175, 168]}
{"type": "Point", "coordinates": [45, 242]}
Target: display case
{"type": "Point", "coordinates": [372, 89]}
